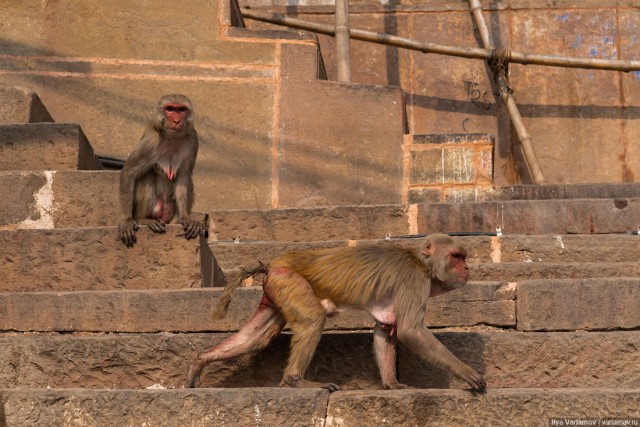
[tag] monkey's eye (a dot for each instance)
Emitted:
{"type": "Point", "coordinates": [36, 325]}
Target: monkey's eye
{"type": "Point", "coordinates": [180, 109]}
{"type": "Point", "coordinates": [458, 255]}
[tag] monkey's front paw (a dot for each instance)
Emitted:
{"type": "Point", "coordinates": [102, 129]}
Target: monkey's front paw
{"type": "Point", "coordinates": [127, 232]}
{"type": "Point", "coordinates": [156, 225]}
{"type": "Point", "coordinates": [475, 380]}
{"type": "Point", "coordinates": [192, 229]}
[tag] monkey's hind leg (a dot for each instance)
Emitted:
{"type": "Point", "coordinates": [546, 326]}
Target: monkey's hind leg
{"type": "Point", "coordinates": [305, 315]}
{"type": "Point", "coordinates": [255, 335]}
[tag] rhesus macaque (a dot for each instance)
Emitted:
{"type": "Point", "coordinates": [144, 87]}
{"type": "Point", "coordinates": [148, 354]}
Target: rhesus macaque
{"type": "Point", "coordinates": [391, 282]}
{"type": "Point", "coordinates": [156, 187]}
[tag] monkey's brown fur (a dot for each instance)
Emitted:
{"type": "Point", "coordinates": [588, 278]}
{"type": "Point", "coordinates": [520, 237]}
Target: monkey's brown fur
{"type": "Point", "coordinates": [391, 282]}
{"type": "Point", "coordinates": [156, 186]}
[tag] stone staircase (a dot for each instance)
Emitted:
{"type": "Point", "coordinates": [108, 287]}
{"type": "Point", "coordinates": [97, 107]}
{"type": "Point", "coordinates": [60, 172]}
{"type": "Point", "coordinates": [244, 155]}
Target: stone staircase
{"type": "Point", "coordinates": [93, 332]}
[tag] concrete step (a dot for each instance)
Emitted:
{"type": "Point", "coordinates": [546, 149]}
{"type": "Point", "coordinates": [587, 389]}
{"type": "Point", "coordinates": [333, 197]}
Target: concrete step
{"type": "Point", "coordinates": [530, 305]}
{"type": "Point", "coordinates": [45, 146]}
{"type": "Point", "coordinates": [94, 259]}
{"type": "Point", "coordinates": [586, 304]}
{"type": "Point", "coordinates": [312, 224]}
{"type": "Point", "coordinates": [583, 216]}
{"type": "Point", "coordinates": [71, 191]}
{"type": "Point", "coordinates": [189, 310]}
{"type": "Point", "coordinates": [564, 191]}
{"type": "Point", "coordinates": [563, 216]}
{"type": "Point", "coordinates": [138, 361]}
{"type": "Point", "coordinates": [518, 271]}
{"type": "Point", "coordinates": [573, 248]}
{"type": "Point", "coordinates": [312, 407]}
{"type": "Point", "coordinates": [306, 407]}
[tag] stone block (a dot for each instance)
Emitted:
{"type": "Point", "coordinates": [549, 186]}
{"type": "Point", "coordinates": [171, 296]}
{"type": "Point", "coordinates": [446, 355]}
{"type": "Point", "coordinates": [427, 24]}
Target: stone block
{"type": "Point", "coordinates": [517, 271]}
{"type": "Point", "coordinates": [240, 407]}
{"type": "Point", "coordinates": [153, 308]}
{"type": "Point", "coordinates": [425, 195]}
{"type": "Point", "coordinates": [544, 250]}
{"type": "Point", "coordinates": [21, 105]}
{"type": "Point", "coordinates": [443, 165]}
{"type": "Point", "coordinates": [495, 407]}
{"type": "Point", "coordinates": [465, 194]}
{"type": "Point", "coordinates": [583, 216]}
{"type": "Point", "coordinates": [94, 259]}
{"type": "Point", "coordinates": [48, 146]}
{"type": "Point", "coordinates": [557, 248]}
{"type": "Point", "coordinates": [138, 361]}
{"type": "Point", "coordinates": [311, 224]}
{"type": "Point", "coordinates": [581, 304]}
{"type": "Point", "coordinates": [310, 407]}
{"type": "Point", "coordinates": [628, 190]}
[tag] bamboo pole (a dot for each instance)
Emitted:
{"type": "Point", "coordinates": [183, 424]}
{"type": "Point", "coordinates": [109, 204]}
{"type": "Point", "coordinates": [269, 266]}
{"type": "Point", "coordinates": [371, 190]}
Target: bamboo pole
{"type": "Point", "coordinates": [342, 41]}
{"type": "Point", "coordinates": [507, 98]}
{"type": "Point", "coordinates": [440, 49]}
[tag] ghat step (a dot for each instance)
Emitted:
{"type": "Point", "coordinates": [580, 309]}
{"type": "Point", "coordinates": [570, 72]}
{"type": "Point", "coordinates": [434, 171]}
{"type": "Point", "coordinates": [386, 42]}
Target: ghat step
{"type": "Point", "coordinates": [90, 198]}
{"type": "Point", "coordinates": [530, 305]}
{"type": "Point", "coordinates": [93, 258]}
{"type": "Point", "coordinates": [548, 248]}
{"type": "Point", "coordinates": [313, 407]}
{"type": "Point", "coordinates": [190, 310]}
{"type": "Point", "coordinates": [138, 361]}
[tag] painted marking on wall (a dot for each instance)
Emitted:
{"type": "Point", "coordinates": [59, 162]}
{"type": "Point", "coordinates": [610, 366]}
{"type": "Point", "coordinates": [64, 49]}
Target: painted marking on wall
{"type": "Point", "coordinates": [45, 205]}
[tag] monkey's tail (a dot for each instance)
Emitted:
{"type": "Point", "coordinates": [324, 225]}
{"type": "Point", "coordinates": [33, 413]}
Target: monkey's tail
{"type": "Point", "coordinates": [227, 294]}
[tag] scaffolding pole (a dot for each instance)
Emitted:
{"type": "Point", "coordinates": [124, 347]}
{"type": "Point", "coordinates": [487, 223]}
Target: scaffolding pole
{"type": "Point", "coordinates": [440, 49]}
{"type": "Point", "coordinates": [500, 75]}
{"type": "Point", "coordinates": [343, 39]}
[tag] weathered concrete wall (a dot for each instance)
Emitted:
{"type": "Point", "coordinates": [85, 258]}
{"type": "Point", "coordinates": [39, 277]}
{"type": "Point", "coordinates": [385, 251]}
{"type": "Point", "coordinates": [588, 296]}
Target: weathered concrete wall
{"type": "Point", "coordinates": [583, 122]}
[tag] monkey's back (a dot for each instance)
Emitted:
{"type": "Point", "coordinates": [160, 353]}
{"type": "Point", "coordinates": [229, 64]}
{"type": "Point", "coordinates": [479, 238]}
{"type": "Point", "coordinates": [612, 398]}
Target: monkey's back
{"type": "Point", "coordinates": [359, 274]}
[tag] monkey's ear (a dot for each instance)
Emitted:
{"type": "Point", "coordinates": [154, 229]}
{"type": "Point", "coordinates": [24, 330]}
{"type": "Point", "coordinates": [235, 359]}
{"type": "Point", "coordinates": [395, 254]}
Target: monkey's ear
{"type": "Point", "coordinates": [428, 248]}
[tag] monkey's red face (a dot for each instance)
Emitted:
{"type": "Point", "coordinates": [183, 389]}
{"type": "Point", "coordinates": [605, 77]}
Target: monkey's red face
{"type": "Point", "coordinates": [458, 263]}
{"type": "Point", "coordinates": [456, 276]}
{"type": "Point", "coordinates": [175, 115]}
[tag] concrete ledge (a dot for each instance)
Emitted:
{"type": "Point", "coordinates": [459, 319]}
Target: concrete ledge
{"type": "Point", "coordinates": [138, 361]}
{"type": "Point", "coordinates": [48, 146]}
{"type": "Point", "coordinates": [93, 259]}
{"type": "Point", "coordinates": [533, 217]}
{"type": "Point", "coordinates": [189, 310]}
{"type": "Point", "coordinates": [587, 304]}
